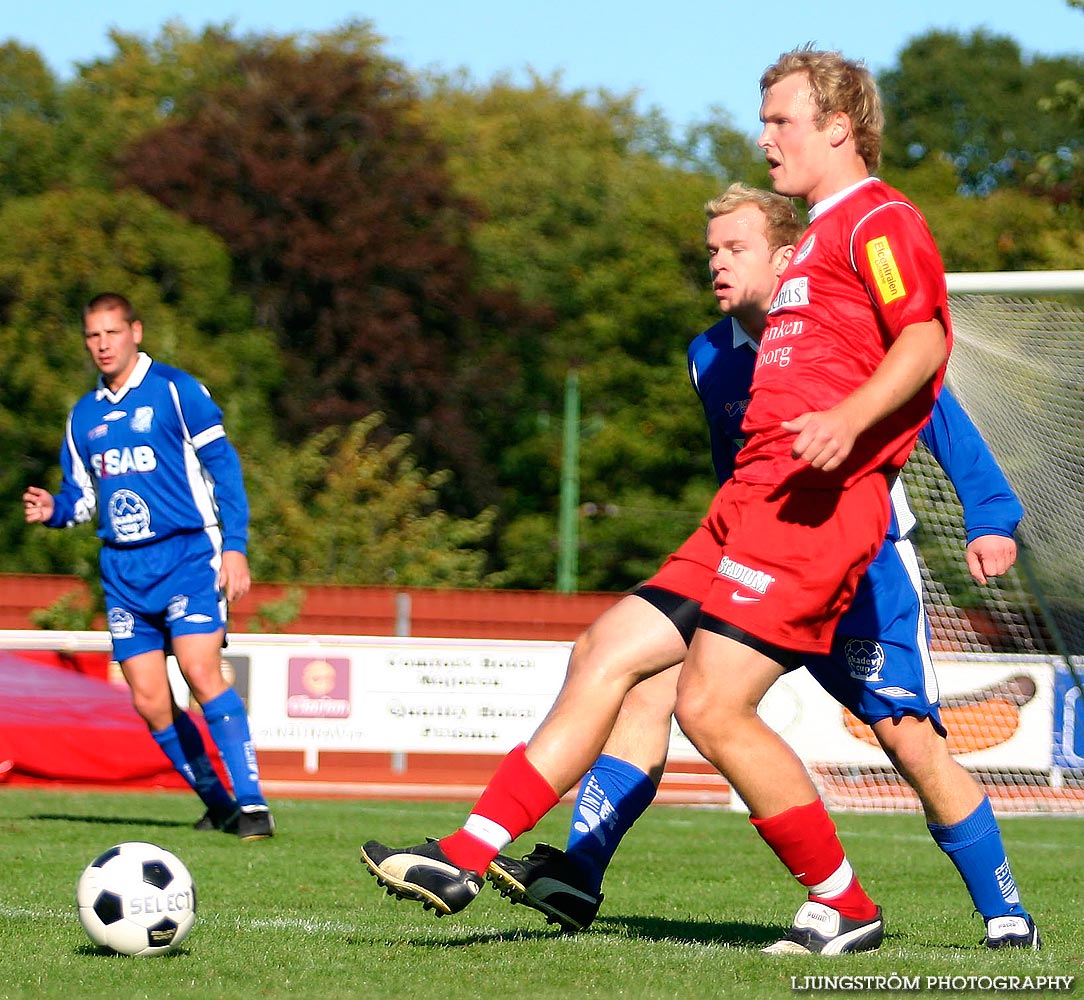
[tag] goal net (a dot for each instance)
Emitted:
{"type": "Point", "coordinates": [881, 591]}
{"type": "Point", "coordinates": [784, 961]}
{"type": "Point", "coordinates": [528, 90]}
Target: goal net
{"type": "Point", "coordinates": [1010, 655]}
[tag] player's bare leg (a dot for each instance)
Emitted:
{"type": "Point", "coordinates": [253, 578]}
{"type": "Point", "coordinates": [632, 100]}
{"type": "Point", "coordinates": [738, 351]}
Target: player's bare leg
{"type": "Point", "coordinates": [148, 684]}
{"type": "Point", "coordinates": [630, 641]}
{"type": "Point", "coordinates": [178, 737]}
{"type": "Point", "coordinates": [641, 734]}
{"type": "Point", "coordinates": [199, 656]}
{"type": "Point", "coordinates": [721, 684]}
{"type": "Point", "coordinates": [947, 790]}
{"type": "Point", "coordinates": [962, 824]}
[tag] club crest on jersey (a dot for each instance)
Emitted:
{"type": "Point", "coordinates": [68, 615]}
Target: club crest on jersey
{"type": "Point", "coordinates": [793, 292]}
{"type": "Point", "coordinates": [736, 407]}
{"type": "Point", "coordinates": [177, 607]}
{"type": "Point", "coordinates": [121, 623]}
{"type": "Point", "coordinates": [129, 517]}
{"type": "Point", "coordinates": [865, 659]}
{"type": "Point", "coordinates": [142, 418]}
{"type": "Point", "coordinates": [886, 274]}
{"type": "Point", "coordinates": [804, 250]}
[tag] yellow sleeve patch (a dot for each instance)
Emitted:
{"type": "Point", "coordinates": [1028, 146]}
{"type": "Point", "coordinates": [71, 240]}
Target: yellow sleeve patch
{"type": "Point", "coordinates": [885, 273]}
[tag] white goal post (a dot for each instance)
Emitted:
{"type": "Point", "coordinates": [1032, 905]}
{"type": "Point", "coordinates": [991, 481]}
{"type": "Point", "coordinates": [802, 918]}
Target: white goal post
{"type": "Point", "coordinates": [1015, 282]}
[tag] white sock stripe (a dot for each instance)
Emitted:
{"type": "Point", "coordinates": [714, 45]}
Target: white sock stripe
{"type": "Point", "coordinates": [836, 884]}
{"type": "Point", "coordinates": [486, 830]}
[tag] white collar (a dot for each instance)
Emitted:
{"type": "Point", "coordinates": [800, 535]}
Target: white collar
{"type": "Point", "coordinates": [835, 199]}
{"type": "Point", "coordinates": [133, 381]}
{"type": "Point", "coordinates": [741, 337]}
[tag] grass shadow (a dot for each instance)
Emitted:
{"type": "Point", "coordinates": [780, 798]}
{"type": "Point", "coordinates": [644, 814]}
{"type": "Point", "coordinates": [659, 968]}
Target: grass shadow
{"type": "Point", "coordinates": [707, 932]}
{"type": "Point", "coordinates": [734, 933]}
{"type": "Point", "coordinates": [111, 820]}
{"type": "Point", "coordinates": [480, 937]}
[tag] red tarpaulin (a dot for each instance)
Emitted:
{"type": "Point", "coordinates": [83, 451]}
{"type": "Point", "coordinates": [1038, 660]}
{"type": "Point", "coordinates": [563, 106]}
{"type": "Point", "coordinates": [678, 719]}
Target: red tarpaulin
{"type": "Point", "coordinates": [60, 725]}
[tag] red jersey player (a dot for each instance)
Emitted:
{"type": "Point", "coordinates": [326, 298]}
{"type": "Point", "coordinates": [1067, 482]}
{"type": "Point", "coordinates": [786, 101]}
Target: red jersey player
{"type": "Point", "coordinates": [837, 401]}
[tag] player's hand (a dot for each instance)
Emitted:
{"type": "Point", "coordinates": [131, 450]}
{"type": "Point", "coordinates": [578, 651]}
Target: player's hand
{"type": "Point", "coordinates": [824, 438]}
{"type": "Point", "coordinates": [990, 555]}
{"type": "Point", "coordinates": [38, 505]}
{"type": "Point", "coordinates": [233, 578]}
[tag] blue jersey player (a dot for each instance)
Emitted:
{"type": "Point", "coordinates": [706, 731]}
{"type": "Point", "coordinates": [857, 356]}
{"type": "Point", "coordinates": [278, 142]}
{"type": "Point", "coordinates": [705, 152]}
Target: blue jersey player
{"type": "Point", "coordinates": [146, 452]}
{"type": "Point", "coordinates": [879, 666]}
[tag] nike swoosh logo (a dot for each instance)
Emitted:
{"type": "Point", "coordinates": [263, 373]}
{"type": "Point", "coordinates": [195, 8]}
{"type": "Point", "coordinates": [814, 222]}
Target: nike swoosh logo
{"type": "Point", "coordinates": [744, 598]}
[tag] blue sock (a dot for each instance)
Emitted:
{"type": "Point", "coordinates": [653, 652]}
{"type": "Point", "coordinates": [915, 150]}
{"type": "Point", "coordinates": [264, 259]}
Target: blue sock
{"type": "Point", "coordinates": [183, 745]}
{"type": "Point", "coordinates": [974, 845]}
{"type": "Point", "coordinates": [613, 796]}
{"type": "Point", "coordinates": [228, 723]}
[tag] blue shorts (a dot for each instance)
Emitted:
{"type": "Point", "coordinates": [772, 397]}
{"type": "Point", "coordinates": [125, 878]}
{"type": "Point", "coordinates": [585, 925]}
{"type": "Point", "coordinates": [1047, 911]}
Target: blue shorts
{"type": "Point", "coordinates": [154, 592]}
{"type": "Point", "coordinates": [880, 666]}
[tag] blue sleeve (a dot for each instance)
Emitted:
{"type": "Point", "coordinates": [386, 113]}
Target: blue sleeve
{"type": "Point", "coordinates": [722, 447]}
{"type": "Point", "coordinates": [990, 505]}
{"type": "Point", "coordinates": [222, 463]}
{"type": "Point", "coordinates": [77, 500]}
{"type": "Point", "coordinates": [203, 423]}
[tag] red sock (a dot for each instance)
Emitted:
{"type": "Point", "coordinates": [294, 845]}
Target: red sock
{"type": "Point", "coordinates": [804, 839]}
{"type": "Point", "coordinates": [853, 902]}
{"type": "Point", "coordinates": [516, 798]}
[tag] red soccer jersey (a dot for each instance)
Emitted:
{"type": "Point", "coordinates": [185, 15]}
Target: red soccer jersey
{"type": "Point", "coordinates": [866, 268]}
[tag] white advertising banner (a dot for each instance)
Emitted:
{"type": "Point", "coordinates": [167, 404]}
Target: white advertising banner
{"type": "Point", "coordinates": [410, 695]}
{"type": "Point", "coordinates": [414, 695]}
{"type": "Point", "coordinates": [399, 695]}
{"type": "Point", "coordinates": [997, 711]}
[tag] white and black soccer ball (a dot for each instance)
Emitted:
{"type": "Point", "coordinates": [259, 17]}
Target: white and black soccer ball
{"type": "Point", "coordinates": [136, 899]}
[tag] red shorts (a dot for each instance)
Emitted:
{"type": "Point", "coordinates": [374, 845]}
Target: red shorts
{"type": "Point", "coordinates": [781, 564]}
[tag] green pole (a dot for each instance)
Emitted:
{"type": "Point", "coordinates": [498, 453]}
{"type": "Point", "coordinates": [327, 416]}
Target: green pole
{"type": "Point", "coordinates": [567, 532]}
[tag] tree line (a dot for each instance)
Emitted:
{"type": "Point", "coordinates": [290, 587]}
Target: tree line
{"type": "Point", "coordinates": [384, 277]}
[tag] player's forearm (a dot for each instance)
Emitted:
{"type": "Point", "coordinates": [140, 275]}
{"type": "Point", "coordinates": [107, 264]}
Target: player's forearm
{"type": "Point", "coordinates": [990, 505]}
{"type": "Point", "coordinates": [913, 359]}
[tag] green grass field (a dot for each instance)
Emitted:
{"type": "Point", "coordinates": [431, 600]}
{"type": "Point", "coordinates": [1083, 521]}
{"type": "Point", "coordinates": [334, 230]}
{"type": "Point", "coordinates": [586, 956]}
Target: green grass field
{"type": "Point", "coordinates": [691, 897]}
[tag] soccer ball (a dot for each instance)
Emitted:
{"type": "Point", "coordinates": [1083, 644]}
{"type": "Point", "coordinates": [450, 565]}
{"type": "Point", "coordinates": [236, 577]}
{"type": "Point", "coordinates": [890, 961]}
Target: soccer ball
{"type": "Point", "coordinates": [136, 899]}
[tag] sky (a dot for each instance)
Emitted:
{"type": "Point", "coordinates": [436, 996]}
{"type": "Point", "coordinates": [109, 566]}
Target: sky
{"type": "Point", "coordinates": [681, 57]}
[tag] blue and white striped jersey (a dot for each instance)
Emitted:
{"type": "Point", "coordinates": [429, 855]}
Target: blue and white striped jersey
{"type": "Point", "coordinates": [721, 361]}
{"type": "Point", "coordinates": [152, 459]}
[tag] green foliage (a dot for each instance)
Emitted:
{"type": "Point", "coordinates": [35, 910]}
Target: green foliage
{"type": "Point", "coordinates": [314, 166]}
{"type": "Point", "coordinates": [272, 616]}
{"type": "Point", "coordinates": [690, 899]}
{"type": "Point", "coordinates": [1007, 230]}
{"type": "Point", "coordinates": [976, 100]}
{"type": "Point", "coordinates": [343, 508]}
{"type": "Point", "coordinates": [145, 84]}
{"type": "Point", "coordinates": [29, 112]}
{"type": "Point", "coordinates": [586, 213]}
{"type": "Point", "coordinates": [73, 612]}
{"type": "Point", "coordinates": [1060, 172]}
